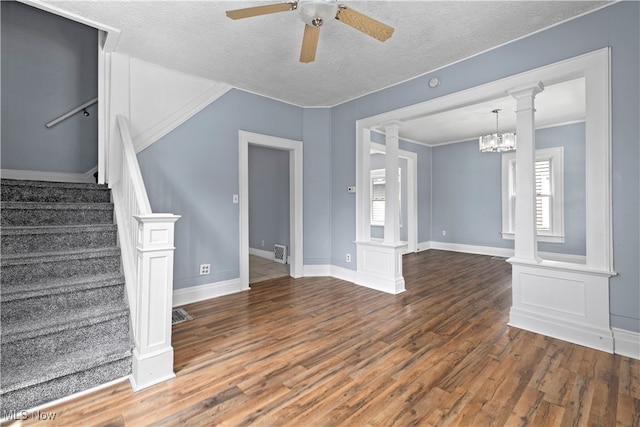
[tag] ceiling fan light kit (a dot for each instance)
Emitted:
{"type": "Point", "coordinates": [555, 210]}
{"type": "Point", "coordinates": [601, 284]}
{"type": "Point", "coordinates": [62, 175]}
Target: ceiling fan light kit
{"type": "Point", "coordinates": [314, 13]}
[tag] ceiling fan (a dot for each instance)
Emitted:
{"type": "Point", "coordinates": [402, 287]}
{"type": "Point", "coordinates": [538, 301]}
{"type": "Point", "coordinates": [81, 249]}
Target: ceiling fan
{"type": "Point", "coordinates": [315, 13]}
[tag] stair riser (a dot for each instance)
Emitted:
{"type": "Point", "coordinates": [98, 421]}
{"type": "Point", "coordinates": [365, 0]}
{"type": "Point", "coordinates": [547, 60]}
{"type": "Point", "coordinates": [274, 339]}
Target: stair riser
{"type": "Point", "coordinates": [16, 217]}
{"type": "Point", "coordinates": [34, 309]}
{"type": "Point", "coordinates": [48, 242]}
{"type": "Point", "coordinates": [25, 193]}
{"type": "Point", "coordinates": [38, 272]}
{"type": "Point", "coordinates": [30, 397]}
{"type": "Point", "coordinates": [67, 341]}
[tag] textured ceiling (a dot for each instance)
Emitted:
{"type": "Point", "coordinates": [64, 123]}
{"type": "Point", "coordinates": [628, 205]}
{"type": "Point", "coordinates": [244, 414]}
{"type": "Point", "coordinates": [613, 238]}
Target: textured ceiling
{"type": "Point", "coordinates": [260, 54]}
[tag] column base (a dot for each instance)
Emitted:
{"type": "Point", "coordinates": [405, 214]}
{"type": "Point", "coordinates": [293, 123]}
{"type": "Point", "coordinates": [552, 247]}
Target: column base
{"type": "Point", "coordinates": [380, 266]}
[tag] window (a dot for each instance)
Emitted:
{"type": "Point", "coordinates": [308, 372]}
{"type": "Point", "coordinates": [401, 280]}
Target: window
{"type": "Point", "coordinates": [549, 195]}
{"type": "Point", "coordinates": [378, 182]}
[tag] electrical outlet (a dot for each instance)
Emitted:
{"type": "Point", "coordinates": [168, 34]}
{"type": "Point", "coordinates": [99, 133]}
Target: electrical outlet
{"type": "Point", "coordinates": [348, 257]}
{"type": "Point", "coordinates": [444, 232]}
{"type": "Point", "coordinates": [205, 269]}
{"type": "Point", "coordinates": [262, 242]}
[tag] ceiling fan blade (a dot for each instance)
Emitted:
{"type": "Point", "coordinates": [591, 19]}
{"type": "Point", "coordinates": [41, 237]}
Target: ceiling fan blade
{"type": "Point", "coordinates": [261, 10]}
{"type": "Point", "coordinates": [367, 25]}
{"type": "Point", "coordinates": [309, 43]}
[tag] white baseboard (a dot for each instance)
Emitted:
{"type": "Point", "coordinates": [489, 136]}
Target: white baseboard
{"type": "Point", "coordinates": [343, 273]}
{"type": "Point", "coordinates": [597, 338]}
{"type": "Point", "coordinates": [471, 249]}
{"type": "Point", "coordinates": [261, 253]}
{"type": "Point", "coordinates": [203, 292]}
{"type": "Point", "coordinates": [626, 343]}
{"type": "Point", "coordinates": [500, 252]}
{"type": "Point", "coordinates": [327, 270]}
{"type": "Point", "coordinates": [317, 270]}
{"type": "Point", "coordinates": [27, 175]}
{"type": "Point", "coordinates": [423, 246]}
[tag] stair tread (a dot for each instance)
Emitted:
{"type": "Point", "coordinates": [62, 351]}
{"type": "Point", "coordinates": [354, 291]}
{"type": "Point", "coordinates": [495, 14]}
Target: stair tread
{"type": "Point", "coordinates": [62, 321]}
{"type": "Point", "coordinates": [47, 229]}
{"type": "Point", "coordinates": [61, 285]}
{"type": "Point", "coordinates": [27, 372]}
{"type": "Point", "coordinates": [57, 205]}
{"type": "Point", "coordinates": [56, 184]}
{"type": "Point", "coordinates": [58, 256]}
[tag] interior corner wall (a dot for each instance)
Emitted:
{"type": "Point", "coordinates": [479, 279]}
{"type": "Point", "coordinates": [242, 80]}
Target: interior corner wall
{"type": "Point", "coordinates": [318, 181]}
{"type": "Point", "coordinates": [193, 172]}
{"type": "Point", "coordinates": [49, 67]}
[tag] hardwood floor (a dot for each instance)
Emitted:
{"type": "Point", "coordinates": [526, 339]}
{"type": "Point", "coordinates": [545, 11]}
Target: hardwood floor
{"type": "Point", "coordinates": [324, 352]}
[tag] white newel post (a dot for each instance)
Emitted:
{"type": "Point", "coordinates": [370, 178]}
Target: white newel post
{"type": "Point", "coordinates": [153, 353]}
{"type": "Point", "coordinates": [526, 241]}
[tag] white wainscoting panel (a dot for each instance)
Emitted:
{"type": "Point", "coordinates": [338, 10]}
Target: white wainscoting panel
{"type": "Point", "coordinates": [570, 305]}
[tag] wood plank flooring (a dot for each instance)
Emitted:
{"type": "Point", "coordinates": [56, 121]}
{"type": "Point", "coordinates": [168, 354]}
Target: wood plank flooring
{"type": "Point", "coordinates": [324, 352]}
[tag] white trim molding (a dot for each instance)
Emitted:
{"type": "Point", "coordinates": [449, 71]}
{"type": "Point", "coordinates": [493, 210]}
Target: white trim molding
{"type": "Point", "coordinates": [295, 199]}
{"type": "Point", "coordinates": [579, 260]}
{"type": "Point", "coordinates": [261, 253]}
{"type": "Point", "coordinates": [205, 292]}
{"type": "Point", "coordinates": [626, 343]}
{"type": "Point", "coordinates": [328, 270]}
{"type": "Point", "coordinates": [28, 175]}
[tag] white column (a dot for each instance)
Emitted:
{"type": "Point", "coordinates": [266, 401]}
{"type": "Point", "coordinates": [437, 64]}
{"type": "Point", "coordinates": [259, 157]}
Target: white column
{"type": "Point", "coordinates": [526, 241]}
{"type": "Point", "coordinates": [153, 353]}
{"type": "Point", "coordinates": [392, 189]}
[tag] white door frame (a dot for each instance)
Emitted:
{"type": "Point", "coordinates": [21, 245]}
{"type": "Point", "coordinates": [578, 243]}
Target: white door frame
{"type": "Point", "coordinates": [295, 200]}
{"type": "Point", "coordinates": [412, 193]}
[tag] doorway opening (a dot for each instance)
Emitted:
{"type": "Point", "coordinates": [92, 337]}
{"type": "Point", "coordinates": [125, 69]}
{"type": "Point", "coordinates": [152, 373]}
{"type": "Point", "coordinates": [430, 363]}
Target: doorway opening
{"type": "Point", "coordinates": [294, 150]}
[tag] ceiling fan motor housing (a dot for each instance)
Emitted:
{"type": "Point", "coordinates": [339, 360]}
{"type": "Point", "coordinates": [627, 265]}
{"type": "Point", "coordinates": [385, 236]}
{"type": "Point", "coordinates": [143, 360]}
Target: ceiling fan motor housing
{"type": "Point", "coordinates": [317, 12]}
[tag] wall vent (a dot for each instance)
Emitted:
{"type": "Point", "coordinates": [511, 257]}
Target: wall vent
{"type": "Point", "coordinates": [280, 253]}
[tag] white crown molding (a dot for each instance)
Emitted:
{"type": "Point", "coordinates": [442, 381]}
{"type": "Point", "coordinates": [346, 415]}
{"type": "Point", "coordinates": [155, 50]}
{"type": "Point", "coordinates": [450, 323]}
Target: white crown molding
{"type": "Point", "coordinates": [29, 175]}
{"type": "Point", "coordinates": [206, 291]}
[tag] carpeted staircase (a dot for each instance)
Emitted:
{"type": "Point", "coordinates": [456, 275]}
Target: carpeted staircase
{"type": "Point", "coordinates": [65, 321]}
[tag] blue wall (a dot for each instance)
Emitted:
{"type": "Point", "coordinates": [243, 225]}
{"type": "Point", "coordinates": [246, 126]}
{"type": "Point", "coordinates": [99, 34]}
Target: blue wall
{"type": "Point", "coordinates": [467, 192]}
{"type": "Point", "coordinates": [318, 180]}
{"type": "Point", "coordinates": [49, 66]}
{"type": "Point", "coordinates": [193, 172]}
{"type": "Point", "coordinates": [268, 197]}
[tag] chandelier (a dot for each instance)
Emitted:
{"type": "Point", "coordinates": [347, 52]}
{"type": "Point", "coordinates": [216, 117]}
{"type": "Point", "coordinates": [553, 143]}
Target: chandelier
{"type": "Point", "coordinates": [497, 142]}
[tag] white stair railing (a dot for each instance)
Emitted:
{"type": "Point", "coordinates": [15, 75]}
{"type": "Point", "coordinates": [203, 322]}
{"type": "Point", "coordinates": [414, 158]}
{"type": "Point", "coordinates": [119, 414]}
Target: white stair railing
{"type": "Point", "coordinates": [146, 242]}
